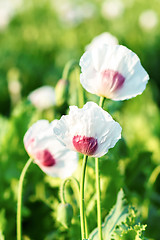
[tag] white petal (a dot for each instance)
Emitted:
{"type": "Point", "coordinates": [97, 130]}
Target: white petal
{"type": "Point", "coordinates": [90, 121]}
{"type": "Point", "coordinates": [104, 38]}
{"type": "Point", "coordinates": [66, 161]}
{"type": "Point", "coordinates": [115, 58]}
{"type": "Point", "coordinates": [33, 132]}
{"type": "Point", "coordinates": [109, 138]}
{"type": "Point", "coordinates": [134, 85]}
{"type": "Point", "coordinates": [43, 97]}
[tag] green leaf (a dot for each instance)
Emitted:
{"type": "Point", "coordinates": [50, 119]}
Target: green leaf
{"type": "Point", "coordinates": [117, 215]}
{"type": "Point", "coordinates": [131, 228]}
{"type": "Point", "coordinates": [130, 233]}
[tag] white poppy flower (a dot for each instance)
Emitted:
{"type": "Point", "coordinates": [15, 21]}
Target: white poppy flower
{"type": "Point", "coordinates": [49, 154]}
{"type": "Point", "coordinates": [113, 71]}
{"type": "Point", "coordinates": [43, 97]}
{"type": "Point", "coordinates": [104, 38]}
{"type": "Point", "coordinates": [90, 130]}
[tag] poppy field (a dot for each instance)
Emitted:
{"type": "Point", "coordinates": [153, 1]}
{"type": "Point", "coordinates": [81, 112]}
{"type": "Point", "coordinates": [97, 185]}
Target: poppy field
{"type": "Point", "coordinates": [79, 120]}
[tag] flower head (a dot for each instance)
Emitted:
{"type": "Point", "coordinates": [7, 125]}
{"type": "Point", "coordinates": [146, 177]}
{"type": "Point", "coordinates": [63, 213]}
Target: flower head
{"type": "Point", "coordinates": [43, 97]}
{"type": "Point", "coordinates": [104, 38]}
{"type": "Point", "coordinates": [49, 154]}
{"type": "Point", "coordinates": [112, 71]}
{"type": "Point", "coordinates": [90, 130]}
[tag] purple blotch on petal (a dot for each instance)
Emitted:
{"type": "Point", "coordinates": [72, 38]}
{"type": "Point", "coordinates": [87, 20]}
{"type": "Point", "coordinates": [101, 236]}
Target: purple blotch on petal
{"type": "Point", "coordinates": [112, 80]}
{"type": "Point", "coordinates": [85, 145]}
{"type": "Point", "coordinates": [45, 158]}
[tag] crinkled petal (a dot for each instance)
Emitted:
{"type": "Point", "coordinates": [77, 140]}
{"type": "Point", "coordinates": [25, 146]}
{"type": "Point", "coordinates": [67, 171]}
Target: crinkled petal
{"type": "Point", "coordinates": [91, 122]}
{"type": "Point", "coordinates": [66, 161]}
{"type": "Point", "coordinates": [116, 59]}
{"type": "Point", "coordinates": [134, 85]}
{"type": "Point", "coordinates": [33, 132]}
{"type": "Point", "coordinates": [49, 154]}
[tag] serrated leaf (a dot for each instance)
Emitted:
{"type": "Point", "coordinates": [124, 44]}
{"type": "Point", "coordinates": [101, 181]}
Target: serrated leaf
{"type": "Point", "coordinates": [117, 215]}
{"type": "Point", "coordinates": [133, 233]}
{"type": "Point", "coordinates": [130, 229]}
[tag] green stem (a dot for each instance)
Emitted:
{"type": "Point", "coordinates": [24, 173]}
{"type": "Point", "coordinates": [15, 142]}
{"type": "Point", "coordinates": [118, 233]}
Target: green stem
{"type": "Point", "coordinates": [63, 199]}
{"type": "Point", "coordinates": [68, 68]}
{"type": "Point", "coordinates": [62, 190]}
{"type": "Point", "coordinates": [99, 217]}
{"type": "Point", "coordinates": [82, 212]}
{"type": "Point", "coordinates": [86, 227]}
{"type": "Point", "coordinates": [19, 200]}
{"type": "Point", "coordinates": [101, 102]}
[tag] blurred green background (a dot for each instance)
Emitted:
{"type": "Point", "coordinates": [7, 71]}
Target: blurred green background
{"type": "Point", "coordinates": [37, 39]}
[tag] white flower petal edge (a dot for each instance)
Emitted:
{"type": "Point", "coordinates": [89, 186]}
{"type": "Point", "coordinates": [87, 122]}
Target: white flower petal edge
{"type": "Point", "coordinates": [112, 71]}
{"type": "Point", "coordinates": [89, 130]}
{"type": "Point", "coordinates": [32, 134]}
{"type": "Point", "coordinates": [49, 154]}
{"type": "Point", "coordinates": [103, 38]}
{"type": "Point", "coordinates": [66, 161]}
{"type": "Point", "coordinates": [43, 97]}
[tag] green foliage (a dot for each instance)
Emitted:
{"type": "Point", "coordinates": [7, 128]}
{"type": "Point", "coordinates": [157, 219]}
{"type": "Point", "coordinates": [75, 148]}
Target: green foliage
{"type": "Point", "coordinates": [131, 228]}
{"type": "Point", "coordinates": [65, 214]}
{"type": "Point", "coordinates": [121, 167]}
{"type": "Point", "coordinates": [35, 47]}
{"type": "Point", "coordinates": [121, 223]}
{"type": "Point", "coordinates": [117, 215]}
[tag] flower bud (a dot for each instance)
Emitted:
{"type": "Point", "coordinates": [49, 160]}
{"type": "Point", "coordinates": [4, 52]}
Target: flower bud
{"type": "Point", "coordinates": [61, 90]}
{"type": "Point", "coordinates": [65, 214]}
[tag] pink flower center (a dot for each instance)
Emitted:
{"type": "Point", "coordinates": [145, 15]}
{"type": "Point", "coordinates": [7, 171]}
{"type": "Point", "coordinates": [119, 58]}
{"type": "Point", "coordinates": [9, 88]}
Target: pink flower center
{"type": "Point", "coordinates": [112, 80]}
{"type": "Point", "coordinates": [45, 158]}
{"type": "Point", "coordinates": [85, 145]}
